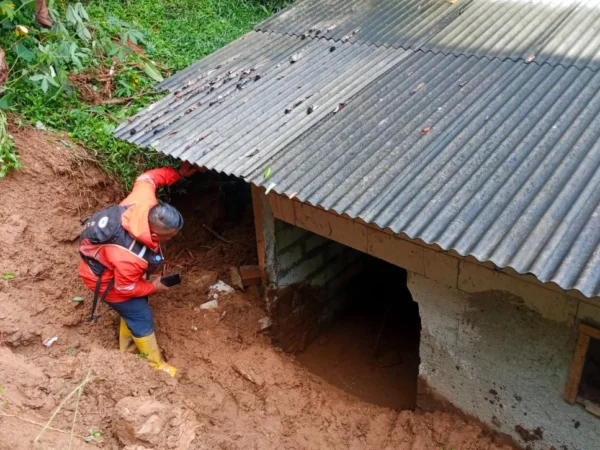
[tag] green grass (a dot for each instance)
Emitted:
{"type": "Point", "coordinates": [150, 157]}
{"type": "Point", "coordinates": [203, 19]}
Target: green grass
{"type": "Point", "coordinates": [182, 31]}
{"type": "Point", "coordinates": [178, 32]}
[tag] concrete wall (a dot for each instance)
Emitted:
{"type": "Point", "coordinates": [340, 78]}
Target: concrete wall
{"type": "Point", "coordinates": [485, 350]}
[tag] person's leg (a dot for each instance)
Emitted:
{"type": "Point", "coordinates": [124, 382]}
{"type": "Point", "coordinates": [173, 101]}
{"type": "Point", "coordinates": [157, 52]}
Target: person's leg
{"type": "Point", "coordinates": [137, 316]}
{"type": "Point", "coordinates": [126, 343]}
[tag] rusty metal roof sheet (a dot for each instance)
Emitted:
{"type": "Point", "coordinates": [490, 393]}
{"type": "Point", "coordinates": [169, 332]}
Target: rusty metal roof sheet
{"type": "Point", "coordinates": [495, 159]}
{"type": "Point", "coordinates": [558, 32]}
{"type": "Point", "coordinates": [235, 110]}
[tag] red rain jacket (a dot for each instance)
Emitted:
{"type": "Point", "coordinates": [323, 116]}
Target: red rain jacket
{"type": "Point", "coordinates": [125, 267]}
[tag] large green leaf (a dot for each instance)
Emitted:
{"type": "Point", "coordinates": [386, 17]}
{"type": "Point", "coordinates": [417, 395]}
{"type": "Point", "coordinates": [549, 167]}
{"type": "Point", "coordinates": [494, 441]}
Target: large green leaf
{"type": "Point", "coordinates": [6, 101]}
{"type": "Point", "coordinates": [24, 53]}
{"type": "Point", "coordinates": [152, 71]}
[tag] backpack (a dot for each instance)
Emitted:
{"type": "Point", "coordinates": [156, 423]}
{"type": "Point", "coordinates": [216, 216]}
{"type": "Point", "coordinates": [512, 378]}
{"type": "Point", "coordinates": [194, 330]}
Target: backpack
{"type": "Point", "coordinates": [104, 228]}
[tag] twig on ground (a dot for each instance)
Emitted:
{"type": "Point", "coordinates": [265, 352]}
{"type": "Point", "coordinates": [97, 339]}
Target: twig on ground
{"type": "Point", "coordinates": [27, 278]}
{"type": "Point", "coordinates": [39, 424]}
{"type": "Point", "coordinates": [73, 392]}
{"type": "Point", "coordinates": [214, 233]}
{"type": "Point", "coordinates": [347, 385]}
{"type": "Point", "coordinates": [76, 411]}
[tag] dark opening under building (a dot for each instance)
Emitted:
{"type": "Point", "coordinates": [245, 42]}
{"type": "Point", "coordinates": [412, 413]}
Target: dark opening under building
{"type": "Point", "coordinates": [455, 141]}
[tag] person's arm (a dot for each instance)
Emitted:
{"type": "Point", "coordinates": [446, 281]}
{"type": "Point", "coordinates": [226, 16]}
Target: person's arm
{"type": "Point", "coordinates": [145, 185]}
{"type": "Point", "coordinates": [164, 176]}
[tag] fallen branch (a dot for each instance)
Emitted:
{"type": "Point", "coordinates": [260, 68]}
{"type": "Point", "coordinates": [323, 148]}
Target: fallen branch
{"type": "Point", "coordinates": [73, 392]}
{"type": "Point", "coordinates": [40, 424]}
{"type": "Point", "coordinates": [214, 233]}
{"type": "Point", "coordinates": [120, 100]}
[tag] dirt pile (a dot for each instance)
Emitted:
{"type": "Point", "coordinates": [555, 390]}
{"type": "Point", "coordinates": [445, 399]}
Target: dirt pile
{"type": "Point", "coordinates": [233, 389]}
{"type": "Point", "coordinates": [144, 420]}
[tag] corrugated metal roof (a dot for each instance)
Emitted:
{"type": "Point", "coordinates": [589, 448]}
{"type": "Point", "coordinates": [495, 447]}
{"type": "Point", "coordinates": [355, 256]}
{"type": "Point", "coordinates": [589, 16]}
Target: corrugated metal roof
{"type": "Point", "coordinates": [236, 109]}
{"type": "Point", "coordinates": [559, 32]}
{"type": "Point", "coordinates": [495, 159]}
{"type": "Point", "coordinates": [491, 157]}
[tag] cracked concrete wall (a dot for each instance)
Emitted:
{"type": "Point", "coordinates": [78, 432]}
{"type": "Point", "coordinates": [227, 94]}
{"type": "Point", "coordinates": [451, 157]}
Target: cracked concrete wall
{"type": "Point", "coordinates": [495, 357]}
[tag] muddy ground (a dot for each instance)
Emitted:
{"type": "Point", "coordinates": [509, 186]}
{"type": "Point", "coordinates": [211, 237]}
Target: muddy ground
{"type": "Point", "coordinates": [234, 390]}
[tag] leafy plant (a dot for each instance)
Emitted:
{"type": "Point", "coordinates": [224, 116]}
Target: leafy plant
{"type": "Point", "coordinates": [142, 356]}
{"type": "Point", "coordinates": [92, 435]}
{"type": "Point", "coordinates": [7, 276]}
{"type": "Point", "coordinates": [57, 76]}
{"type": "Point", "coordinates": [8, 156]}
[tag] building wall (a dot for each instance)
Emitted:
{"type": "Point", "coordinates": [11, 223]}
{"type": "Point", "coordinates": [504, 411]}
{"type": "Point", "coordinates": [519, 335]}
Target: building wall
{"type": "Point", "coordinates": [486, 351]}
{"type": "Point", "coordinates": [496, 344]}
{"type": "Point", "coordinates": [309, 271]}
{"type": "Point", "coordinates": [305, 257]}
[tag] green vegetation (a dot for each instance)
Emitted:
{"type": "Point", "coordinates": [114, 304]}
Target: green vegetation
{"type": "Point", "coordinates": [8, 157]}
{"type": "Point", "coordinates": [97, 64]}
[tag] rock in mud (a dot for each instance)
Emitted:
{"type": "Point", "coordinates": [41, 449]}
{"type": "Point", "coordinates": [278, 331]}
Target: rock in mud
{"type": "Point", "coordinates": [213, 304]}
{"type": "Point", "coordinates": [14, 338]}
{"type": "Point", "coordinates": [203, 282]}
{"type": "Point", "coordinates": [265, 323]}
{"type": "Point", "coordinates": [12, 229]}
{"type": "Point", "coordinates": [144, 421]}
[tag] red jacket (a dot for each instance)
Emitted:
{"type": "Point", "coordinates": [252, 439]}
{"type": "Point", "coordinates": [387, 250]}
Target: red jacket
{"type": "Point", "coordinates": [124, 266]}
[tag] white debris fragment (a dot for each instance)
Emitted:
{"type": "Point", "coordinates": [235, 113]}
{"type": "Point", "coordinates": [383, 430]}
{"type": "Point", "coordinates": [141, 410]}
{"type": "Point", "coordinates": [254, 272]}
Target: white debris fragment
{"type": "Point", "coordinates": [48, 342]}
{"type": "Point", "coordinates": [220, 286]}
{"type": "Point", "coordinates": [209, 305]}
{"type": "Point", "coordinates": [265, 323]}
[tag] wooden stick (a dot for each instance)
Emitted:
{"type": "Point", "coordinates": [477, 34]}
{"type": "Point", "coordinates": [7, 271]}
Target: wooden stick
{"type": "Point", "coordinates": [39, 424]}
{"type": "Point", "coordinates": [73, 392]}
{"type": "Point", "coordinates": [214, 233]}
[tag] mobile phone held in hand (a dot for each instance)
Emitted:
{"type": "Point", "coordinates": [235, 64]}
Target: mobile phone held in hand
{"type": "Point", "coordinates": [171, 280]}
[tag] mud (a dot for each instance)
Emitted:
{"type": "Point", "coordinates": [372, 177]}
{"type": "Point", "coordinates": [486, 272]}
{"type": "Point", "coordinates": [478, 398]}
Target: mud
{"type": "Point", "coordinates": [234, 390]}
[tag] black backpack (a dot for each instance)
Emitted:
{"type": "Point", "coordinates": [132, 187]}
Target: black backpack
{"type": "Point", "coordinates": [104, 228]}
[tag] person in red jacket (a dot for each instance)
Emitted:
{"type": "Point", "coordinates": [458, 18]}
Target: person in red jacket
{"type": "Point", "coordinates": [146, 223]}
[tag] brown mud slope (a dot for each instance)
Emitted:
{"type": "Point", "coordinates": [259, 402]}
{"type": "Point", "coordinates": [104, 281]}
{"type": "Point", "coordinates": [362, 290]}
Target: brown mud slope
{"type": "Point", "coordinates": [233, 391]}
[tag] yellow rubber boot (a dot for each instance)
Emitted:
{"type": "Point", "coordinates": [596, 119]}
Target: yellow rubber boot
{"type": "Point", "coordinates": [126, 343]}
{"type": "Point", "coordinates": [149, 347]}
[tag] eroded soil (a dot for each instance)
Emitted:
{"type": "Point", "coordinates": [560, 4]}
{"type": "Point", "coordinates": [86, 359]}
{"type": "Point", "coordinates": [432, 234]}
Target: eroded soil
{"type": "Point", "coordinates": [234, 390]}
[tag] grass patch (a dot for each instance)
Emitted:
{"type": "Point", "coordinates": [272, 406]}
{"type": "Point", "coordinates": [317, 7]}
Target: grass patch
{"type": "Point", "coordinates": [175, 34]}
